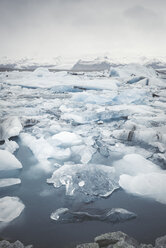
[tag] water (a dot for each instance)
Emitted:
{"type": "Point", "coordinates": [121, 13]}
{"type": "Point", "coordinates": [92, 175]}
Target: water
{"type": "Point", "coordinates": [34, 225]}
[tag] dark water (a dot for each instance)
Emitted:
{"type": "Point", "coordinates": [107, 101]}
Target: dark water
{"type": "Point", "coordinates": [34, 225]}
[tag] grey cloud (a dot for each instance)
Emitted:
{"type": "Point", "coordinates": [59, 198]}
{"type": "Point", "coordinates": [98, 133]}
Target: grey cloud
{"type": "Point", "coordinates": [73, 27]}
{"type": "Point", "coordinates": [144, 18]}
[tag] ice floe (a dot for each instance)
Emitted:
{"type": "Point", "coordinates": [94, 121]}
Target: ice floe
{"type": "Point", "coordinates": [141, 177]}
{"type": "Point", "coordinates": [10, 208]}
{"type": "Point", "coordinates": [9, 182]}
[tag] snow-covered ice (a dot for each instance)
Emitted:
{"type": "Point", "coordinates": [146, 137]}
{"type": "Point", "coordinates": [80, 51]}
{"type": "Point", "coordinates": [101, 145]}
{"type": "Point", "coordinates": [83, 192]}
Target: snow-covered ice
{"type": "Point", "coordinates": [10, 208]}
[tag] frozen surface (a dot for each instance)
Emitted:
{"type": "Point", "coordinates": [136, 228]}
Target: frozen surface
{"type": "Point", "coordinates": [89, 180]}
{"type": "Point", "coordinates": [8, 161]}
{"type": "Point", "coordinates": [9, 182]}
{"type": "Point", "coordinates": [65, 215]}
{"type": "Point", "coordinates": [10, 208]}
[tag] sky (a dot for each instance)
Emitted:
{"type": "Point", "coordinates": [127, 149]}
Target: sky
{"type": "Point", "coordinates": [73, 28]}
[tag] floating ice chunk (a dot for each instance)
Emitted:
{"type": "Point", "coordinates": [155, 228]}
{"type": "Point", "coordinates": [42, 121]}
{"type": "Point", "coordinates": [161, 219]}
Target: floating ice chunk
{"type": "Point", "coordinates": [93, 98]}
{"type": "Point", "coordinates": [43, 150]}
{"type": "Point", "coordinates": [133, 164]}
{"type": "Point", "coordinates": [10, 208]}
{"type": "Point", "coordinates": [120, 215]}
{"type": "Point", "coordinates": [65, 215]}
{"type": "Point", "coordinates": [81, 184]}
{"type": "Point", "coordinates": [11, 146]}
{"type": "Point", "coordinates": [41, 71]}
{"type": "Point", "coordinates": [133, 70]}
{"type": "Point", "coordinates": [99, 180]}
{"type": "Point", "coordinates": [130, 96]}
{"type": "Point", "coordinates": [9, 182]}
{"type": "Point", "coordinates": [56, 215]}
{"type": "Point", "coordinates": [149, 185]}
{"type": "Point", "coordinates": [73, 117]}
{"type": "Point", "coordinates": [92, 65]}
{"type": "Point", "coordinates": [8, 161]}
{"type": "Point", "coordinates": [10, 127]}
{"type": "Point", "coordinates": [67, 139]}
{"type": "Point", "coordinates": [135, 80]}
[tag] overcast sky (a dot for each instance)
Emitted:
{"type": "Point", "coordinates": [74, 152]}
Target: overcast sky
{"type": "Point", "coordinates": [53, 28]}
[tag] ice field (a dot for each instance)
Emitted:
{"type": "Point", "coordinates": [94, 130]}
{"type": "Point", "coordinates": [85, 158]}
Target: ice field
{"type": "Point", "coordinates": [82, 150]}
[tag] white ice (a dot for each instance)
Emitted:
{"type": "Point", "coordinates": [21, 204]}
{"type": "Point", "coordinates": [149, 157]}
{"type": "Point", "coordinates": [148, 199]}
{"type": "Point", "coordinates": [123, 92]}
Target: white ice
{"type": "Point", "coordinates": [10, 127]}
{"type": "Point", "coordinates": [134, 164]}
{"type": "Point", "coordinates": [140, 176]}
{"type": "Point", "coordinates": [151, 185]}
{"type": "Point", "coordinates": [67, 139]}
{"type": "Point", "coordinates": [8, 161]}
{"type": "Point", "coordinates": [9, 182]}
{"type": "Point", "coordinates": [10, 208]}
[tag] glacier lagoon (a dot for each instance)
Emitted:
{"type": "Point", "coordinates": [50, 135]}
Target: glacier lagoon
{"type": "Point", "coordinates": [81, 136]}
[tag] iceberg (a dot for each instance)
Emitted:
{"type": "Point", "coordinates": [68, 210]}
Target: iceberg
{"type": "Point", "coordinates": [44, 150]}
{"type": "Point", "coordinates": [10, 208]}
{"type": "Point", "coordinates": [90, 180]}
{"type": "Point", "coordinates": [8, 161]}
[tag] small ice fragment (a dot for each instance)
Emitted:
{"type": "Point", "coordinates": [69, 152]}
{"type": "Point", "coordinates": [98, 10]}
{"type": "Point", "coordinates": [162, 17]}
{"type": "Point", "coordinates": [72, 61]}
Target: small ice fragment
{"type": "Point", "coordinates": [55, 215]}
{"type": "Point", "coordinates": [81, 184]}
